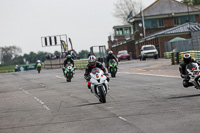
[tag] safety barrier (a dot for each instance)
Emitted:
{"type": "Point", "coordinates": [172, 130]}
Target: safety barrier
{"type": "Point", "coordinates": [178, 56]}
{"type": "Point", "coordinates": [58, 63]}
{"type": "Point", "coordinates": [20, 68]}
{"type": "Point", "coordinates": [194, 55]}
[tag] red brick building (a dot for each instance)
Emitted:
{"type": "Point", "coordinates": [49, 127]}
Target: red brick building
{"type": "Point", "coordinates": [122, 39]}
{"type": "Point", "coordinates": [164, 14]}
{"type": "Point", "coordinates": [158, 39]}
{"type": "Point", "coordinates": [158, 17]}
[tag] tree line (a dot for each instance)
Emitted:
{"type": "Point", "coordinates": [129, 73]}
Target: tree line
{"type": "Point", "coordinates": [11, 55]}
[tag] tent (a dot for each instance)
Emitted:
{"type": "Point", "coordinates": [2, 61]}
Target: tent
{"type": "Point", "coordinates": [176, 39]}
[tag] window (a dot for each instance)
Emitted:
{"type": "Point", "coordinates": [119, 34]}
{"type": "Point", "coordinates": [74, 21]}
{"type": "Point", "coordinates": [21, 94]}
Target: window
{"type": "Point", "coordinates": [151, 23]}
{"type": "Point", "coordinates": [149, 48]}
{"type": "Point", "coordinates": [127, 31]}
{"type": "Point", "coordinates": [184, 19]}
{"type": "Point", "coordinates": [177, 21]}
{"type": "Point", "coordinates": [119, 31]}
{"type": "Point", "coordinates": [192, 18]}
{"type": "Point", "coordinates": [136, 26]}
{"type": "Point", "coordinates": [160, 22]}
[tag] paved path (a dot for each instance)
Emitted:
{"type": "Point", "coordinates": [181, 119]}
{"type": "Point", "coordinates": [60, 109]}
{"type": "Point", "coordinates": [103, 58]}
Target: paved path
{"type": "Point", "coordinates": [136, 103]}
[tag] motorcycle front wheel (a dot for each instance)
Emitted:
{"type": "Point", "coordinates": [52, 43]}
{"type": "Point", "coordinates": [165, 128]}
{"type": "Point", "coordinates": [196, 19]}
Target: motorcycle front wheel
{"type": "Point", "coordinates": [102, 94]}
{"type": "Point", "coordinates": [113, 73]}
{"type": "Point", "coordinates": [69, 77]}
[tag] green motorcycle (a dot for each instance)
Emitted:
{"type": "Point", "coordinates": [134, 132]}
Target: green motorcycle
{"type": "Point", "coordinates": [39, 66]}
{"type": "Point", "coordinates": [69, 72]}
{"type": "Point", "coordinates": [112, 67]}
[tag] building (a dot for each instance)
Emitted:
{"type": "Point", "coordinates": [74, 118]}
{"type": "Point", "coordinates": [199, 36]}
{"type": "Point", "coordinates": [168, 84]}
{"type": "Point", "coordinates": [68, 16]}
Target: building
{"type": "Point", "coordinates": [159, 39]}
{"type": "Point", "coordinates": [163, 20]}
{"type": "Point", "coordinates": [122, 39]}
{"type": "Point", "coordinates": [164, 14]}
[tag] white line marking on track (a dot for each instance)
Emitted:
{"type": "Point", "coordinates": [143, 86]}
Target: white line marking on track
{"type": "Point", "coordinates": [122, 118]}
{"type": "Point", "coordinates": [151, 75]}
{"type": "Point", "coordinates": [37, 99]}
{"type": "Point", "coordinates": [59, 77]}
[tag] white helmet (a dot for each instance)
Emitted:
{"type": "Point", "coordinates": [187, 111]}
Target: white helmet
{"type": "Point", "coordinates": [92, 60]}
{"type": "Point", "coordinates": [110, 52]}
{"type": "Point", "coordinates": [38, 61]}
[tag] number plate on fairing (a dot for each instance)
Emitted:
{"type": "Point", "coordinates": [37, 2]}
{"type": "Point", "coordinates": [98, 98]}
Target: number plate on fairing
{"type": "Point", "coordinates": [196, 73]}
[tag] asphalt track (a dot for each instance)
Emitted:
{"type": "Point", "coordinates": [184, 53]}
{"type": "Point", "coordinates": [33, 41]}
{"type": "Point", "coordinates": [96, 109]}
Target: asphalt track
{"type": "Point", "coordinates": [139, 101]}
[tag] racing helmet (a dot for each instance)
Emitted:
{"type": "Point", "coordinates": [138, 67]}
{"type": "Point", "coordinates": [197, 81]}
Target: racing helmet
{"type": "Point", "coordinates": [38, 61]}
{"type": "Point", "coordinates": [110, 52]}
{"type": "Point", "coordinates": [187, 58]}
{"type": "Point", "coordinates": [92, 61]}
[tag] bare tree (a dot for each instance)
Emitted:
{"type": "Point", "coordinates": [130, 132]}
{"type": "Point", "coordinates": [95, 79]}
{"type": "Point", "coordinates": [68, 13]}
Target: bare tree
{"type": "Point", "coordinates": [122, 9]}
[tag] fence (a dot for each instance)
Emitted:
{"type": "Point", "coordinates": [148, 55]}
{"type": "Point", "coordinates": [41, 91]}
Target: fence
{"type": "Point", "coordinates": [179, 46]}
{"type": "Point", "coordinates": [196, 40]}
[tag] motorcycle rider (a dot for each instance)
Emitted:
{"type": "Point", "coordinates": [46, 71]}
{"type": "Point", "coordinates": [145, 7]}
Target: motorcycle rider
{"type": "Point", "coordinates": [38, 61]}
{"type": "Point", "coordinates": [92, 64]}
{"type": "Point", "coordinates": [69, 59]}
{"type": "Point", "coordinates": [111, 56]}
{"type": "Point", "coordinates": [16, 68]}
{"type": "Point", "coordinates": [182, 68]}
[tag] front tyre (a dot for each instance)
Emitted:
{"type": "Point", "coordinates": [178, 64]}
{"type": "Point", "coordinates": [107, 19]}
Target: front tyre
{"type": "Point", "coordinates": [68, 80]}
{"type": "Point", "coordinates": [102, 95]}
{"type": "Point", "coordinates": [69, 77]}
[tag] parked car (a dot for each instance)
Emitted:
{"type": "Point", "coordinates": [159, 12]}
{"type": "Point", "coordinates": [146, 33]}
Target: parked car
{"type": "Point", "coordinates": [123, 55]}
{"type": "Point", "coordinates": [148, 51]}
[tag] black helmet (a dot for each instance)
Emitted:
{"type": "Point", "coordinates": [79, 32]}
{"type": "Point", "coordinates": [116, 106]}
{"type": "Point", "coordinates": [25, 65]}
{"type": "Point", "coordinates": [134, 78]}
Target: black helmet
{"type": "Point", "coordinates": [92, 61]}
{"type": "Point", "coordinates": [187, 58]}
{"type": "Point", "coordinates": [110, 52]}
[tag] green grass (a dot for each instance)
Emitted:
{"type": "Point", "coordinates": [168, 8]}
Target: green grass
{"type": "Point", "coordinates": [7, 68]}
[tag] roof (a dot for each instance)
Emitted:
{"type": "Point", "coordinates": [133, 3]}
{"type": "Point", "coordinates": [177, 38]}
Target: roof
{"type": "Point", "coordinates": [160, 7]}
{"type": "Point", "coordinates": [121, 26]}
{"type": "Point", "coordinates": [196, 6]}
{"type": "Point", "coordinates": [195, 28]}
{"type": "Point", "coordinates": [178, 29]}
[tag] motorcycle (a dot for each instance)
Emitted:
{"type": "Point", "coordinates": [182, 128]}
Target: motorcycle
{"type": "Point", "coordinates": [69, 72]}
{"type": "Point", "coordinates": [194, 74]}
{"type": "Point", "coordinates": [39, 66]}
{"type": "Point", "coordinates": [99, 84]}
{"type": "Point", "coordinates": [112, 67]}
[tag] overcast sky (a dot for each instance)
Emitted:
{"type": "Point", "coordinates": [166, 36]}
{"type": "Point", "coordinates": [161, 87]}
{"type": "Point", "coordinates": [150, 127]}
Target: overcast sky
{"type": "Point", "coordinates": [86, 22]}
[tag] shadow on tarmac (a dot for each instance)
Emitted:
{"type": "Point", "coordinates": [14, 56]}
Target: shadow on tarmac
{"type": "Point", "coordinates": [187, 96]}
{"type": "Point", "coordinates": [88, 104]}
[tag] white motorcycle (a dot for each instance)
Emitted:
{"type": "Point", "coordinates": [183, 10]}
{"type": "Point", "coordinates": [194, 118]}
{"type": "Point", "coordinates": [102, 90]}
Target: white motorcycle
{"type": "Point", "coordinates": [99, 84]}
{"type": "Point", "coordinates": [194, 74]}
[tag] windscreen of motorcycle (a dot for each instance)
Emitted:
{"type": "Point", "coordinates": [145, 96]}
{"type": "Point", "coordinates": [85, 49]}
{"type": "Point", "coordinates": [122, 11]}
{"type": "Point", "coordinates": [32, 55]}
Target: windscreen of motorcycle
{"type": "Point", "coordinates": [95, 70]}
{"type": "Point", "coordinates": [112, 61]}
{"type": "Point", "coordinates": [192, 66]}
